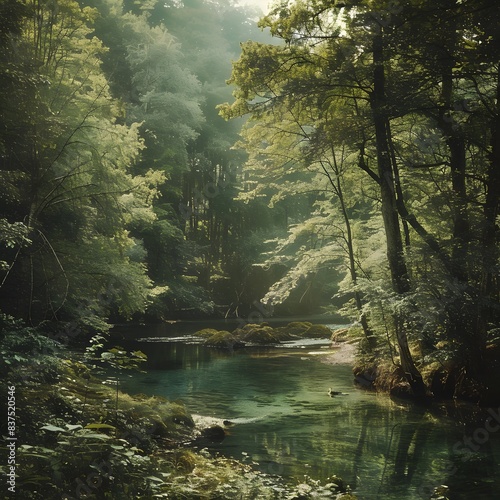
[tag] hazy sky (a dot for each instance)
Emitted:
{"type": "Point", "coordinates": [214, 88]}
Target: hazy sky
{"type": "Point", "coordinates": [263, 4]}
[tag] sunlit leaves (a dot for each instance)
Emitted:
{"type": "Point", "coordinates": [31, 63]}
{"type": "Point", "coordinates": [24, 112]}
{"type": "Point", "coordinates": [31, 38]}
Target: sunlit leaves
{"type": "Point", "coordinates": [74, 186]}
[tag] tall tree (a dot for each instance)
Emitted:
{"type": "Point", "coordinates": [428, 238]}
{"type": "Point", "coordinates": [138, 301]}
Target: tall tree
{"type": "Point", "coordinates": [398, 75]}
{"type": "Point", "coordinates": [69, 167]}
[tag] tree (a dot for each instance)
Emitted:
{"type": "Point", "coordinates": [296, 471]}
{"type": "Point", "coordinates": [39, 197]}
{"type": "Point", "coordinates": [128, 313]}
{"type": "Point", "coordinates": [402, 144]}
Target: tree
{"type": "Point", "coordinates": [397, 77]}
{"type": "Point", "coordinates": [68, 167]}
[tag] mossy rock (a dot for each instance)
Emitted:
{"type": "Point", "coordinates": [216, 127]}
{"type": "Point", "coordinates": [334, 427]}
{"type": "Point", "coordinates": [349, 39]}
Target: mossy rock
{"type": "Point", "coordinates": [214, 434]}
{"type": "Point", "coordinates": [340, 335]}
{"type": "Point", "coordinates": [257, 334]}
{"type": "Point", "coordinates": [223, 339]}
{"type": "Point", "coordinates": [185, 461]}
{"type": "Point", "coordinates": [299, 326]}
{"type": "Point", "coordinates": [295, 329]}
{"type": "Point", "coordinates": [250, 327]}
{"type": "Point", "coordinates": [318, 332]}
{"type": "Point", "coordinates": [207, 332]}
{"type": "Point", "coordinates": [176, 413]}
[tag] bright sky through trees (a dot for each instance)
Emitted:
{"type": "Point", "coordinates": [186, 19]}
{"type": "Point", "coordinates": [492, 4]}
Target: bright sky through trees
{"type": "Point", "coordinates": [262, 4]}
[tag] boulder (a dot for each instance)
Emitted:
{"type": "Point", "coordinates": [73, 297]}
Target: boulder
{"type": "Point", "coordinates": [318, 332]}
{"type": "Point", "coordinates": [256, 334]}
{"type": "Point", "coordinates": [294, 330]}
{"type": "Point", "coordinates": [340, 335]}
{"type": "Point", "coordinates": [221, 339]}
{"type": "Point", "coordinates": [215, 433]}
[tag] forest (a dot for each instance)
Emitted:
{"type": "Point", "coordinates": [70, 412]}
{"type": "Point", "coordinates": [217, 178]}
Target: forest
{"type": "Point", "coordinates": [197, 160]}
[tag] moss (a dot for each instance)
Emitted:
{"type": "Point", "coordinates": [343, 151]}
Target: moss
{"type": "Point", "coordinates": [298, 328]}
{"type": "Point", "coordinates": [303, 329]}
{"type": "Point", "coordinates": [257, 334]}
{"type": "Point", "coordinates": [207, 332]}
{"type": "Point", "coordinates": [340, 335]}
{"type": "Point", "coordinates": [318, 332]}
{"type": "Point", "coordinates": [283, 333]}
{"type": "Point", "coordinates": [79, 439]}
{"type": "Point", "coordinates": [382, 376]}
{"type": "Point", "coordinates": [300, 324]}
{"type": "Point", "coordinates": [263, 334]}
{"type": "Point", "coordinates": [218, 338]}
{"type": "Point", "coordinates": [224, 340]}
{"type": "Point", "coordinates": [185, 460]}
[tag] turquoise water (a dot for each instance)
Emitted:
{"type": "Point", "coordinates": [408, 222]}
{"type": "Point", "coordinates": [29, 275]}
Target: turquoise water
{"type": "Point", "coordinates": [285, 421]}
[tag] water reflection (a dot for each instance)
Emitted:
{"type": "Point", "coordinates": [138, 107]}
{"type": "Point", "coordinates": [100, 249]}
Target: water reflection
{"type": "Point", "coordinates": [285, 420]}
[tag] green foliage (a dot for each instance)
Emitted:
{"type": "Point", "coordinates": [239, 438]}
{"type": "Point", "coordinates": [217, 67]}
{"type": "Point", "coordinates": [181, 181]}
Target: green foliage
{"type": "Point", "coordinates": [26, 352]}
{"type": "Point", "coordinates": [120, 360]}
{"type": "Point", "coordinates": [170, 77]}
{"type": "Point", "coordinates": [67, 168]}
{"type": "Point", "coordinates": [75, 441]}
{"type": "Point", "coordinates": [311, 488]}
{"type": "Point", "coordinates": [379, 105]}
{"type": "Point", "coordinates": [12, 235]}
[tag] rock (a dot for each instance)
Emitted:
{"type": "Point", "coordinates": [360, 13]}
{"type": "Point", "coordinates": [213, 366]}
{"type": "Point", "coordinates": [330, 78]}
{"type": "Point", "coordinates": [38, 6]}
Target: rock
{"type": "Point", "coordinates": [340, 335]}
{"type": "Point", "coordinates": [318, 332]}
{"type": "Point", "coordinates": [262, 334]}
{"type": "Point", "coordinates": [256, 334]}
{"type": "Point", "coordinates": [207, 332]}
{"type": "Point", "coordinates": [221, 339]}
{"type": "Point", "coordinates": [300, 329]}
{"type": "Point", "coordinates": [215, 433]}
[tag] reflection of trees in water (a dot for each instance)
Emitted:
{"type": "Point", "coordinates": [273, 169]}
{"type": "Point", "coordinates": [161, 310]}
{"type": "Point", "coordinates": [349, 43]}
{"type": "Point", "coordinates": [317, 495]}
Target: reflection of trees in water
{"type": "Point", "coordinates": [358, 452]}
{"type": "Point", "coordinates": [388, 453]}
{"type": "Point", "coordinates": [472, 458]}
{"type": "Point", "coordinates": [405, 451]}
{"type": "Point", "coordinates": [411, 444]}
{"type": "Point", "coordinates": [281, 453]}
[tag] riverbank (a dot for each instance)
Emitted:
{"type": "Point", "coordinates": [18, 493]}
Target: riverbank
{"type": "Point", "coordinates": [344, 354]}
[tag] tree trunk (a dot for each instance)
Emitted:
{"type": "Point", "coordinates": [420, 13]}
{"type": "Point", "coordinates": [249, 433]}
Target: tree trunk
{"type": "Point", "coordinates": [369, 335]}
{"type": "Point", "coordinates": [395, 251]}
{"type": "Point", "coordinates": [462, 314]}
{"type": "Point", "coordinates": [489, 280]}
{"type": "Point", "coordinates": [349, 240]}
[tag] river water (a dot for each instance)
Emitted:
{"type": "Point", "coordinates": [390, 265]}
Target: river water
{"type": "Point", "coordinates": [285, 421]}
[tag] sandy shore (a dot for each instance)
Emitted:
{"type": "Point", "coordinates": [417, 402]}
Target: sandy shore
{"type": "Point", "coordinates": [343, 355]}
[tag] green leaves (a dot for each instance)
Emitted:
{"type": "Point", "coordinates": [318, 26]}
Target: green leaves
{"type": "Point", "coordinates": [13, 235]}
{"type": "Point", "coordinates": [388, 102]}
{"type": "Point", "coordinates": [119, 359]}
{"type": "Point", "coordinates": [70, 179]}
{"type": "Point", "coordinates": [53, 428]}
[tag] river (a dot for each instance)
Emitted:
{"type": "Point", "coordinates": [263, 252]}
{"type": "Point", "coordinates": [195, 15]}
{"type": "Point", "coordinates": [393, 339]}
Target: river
{"type": "Point", "coordinates": [285, 421]}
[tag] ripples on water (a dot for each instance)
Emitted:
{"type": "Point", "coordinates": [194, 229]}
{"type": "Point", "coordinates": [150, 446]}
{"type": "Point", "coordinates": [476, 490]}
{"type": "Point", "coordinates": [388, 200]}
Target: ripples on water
{"type": "Point", "coordinates": [284, 419]}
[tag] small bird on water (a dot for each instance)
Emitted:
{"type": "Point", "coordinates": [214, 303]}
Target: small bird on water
{"type": "Point", "coordinates": [332, 393]}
